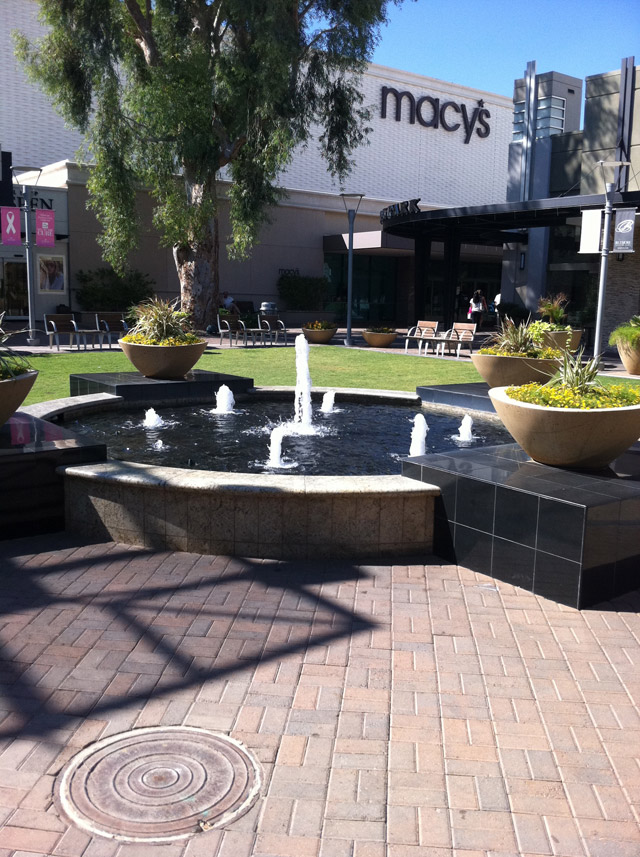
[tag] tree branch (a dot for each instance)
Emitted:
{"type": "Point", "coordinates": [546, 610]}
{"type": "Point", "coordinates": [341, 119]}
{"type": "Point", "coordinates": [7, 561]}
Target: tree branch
{"type": "Point", "coordinates": [143, 24]}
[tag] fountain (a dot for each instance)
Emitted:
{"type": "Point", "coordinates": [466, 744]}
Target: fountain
{"type": "Point", "coordinates": [465, 432]}
{"type": "Point", "coordinates": [225, 401]}
{"type": "Point", "coordinates": [302, 417]}
{"type": "Point", "coordinates": [152, 419]}
{"type": "Point", "coordinates": [275, 446]}
{"type": "Point", "coordinates": [418, 436]}
{"type": "Point", "coordinates": [328, 401]}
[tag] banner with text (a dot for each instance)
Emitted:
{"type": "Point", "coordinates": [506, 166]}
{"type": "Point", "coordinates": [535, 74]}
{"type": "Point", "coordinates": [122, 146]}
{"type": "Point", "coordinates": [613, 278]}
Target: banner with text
{"type": "Point", "coordinates": [623, 232]}
{"type": "Point", "coordinates": [45, 228]}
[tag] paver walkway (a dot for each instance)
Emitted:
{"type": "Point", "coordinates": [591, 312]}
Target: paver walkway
{"type": "Point", "coordinates": [407, 711]}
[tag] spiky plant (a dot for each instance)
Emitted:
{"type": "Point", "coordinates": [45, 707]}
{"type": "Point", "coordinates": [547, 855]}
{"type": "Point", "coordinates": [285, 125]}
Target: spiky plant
{"type": "Point", "coordinates": [554, 308]}
{"type": "Point", "coordinates": [581, 378]}
{"type": "Point", "coordinates": [12, 364]}
{"type": "Point", "coordinates": [516, 339]}
{"type": "Point", "coordinates": [159, 322]}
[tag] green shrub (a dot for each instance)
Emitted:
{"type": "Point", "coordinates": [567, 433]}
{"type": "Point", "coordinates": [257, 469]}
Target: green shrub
{"type": "Point", "coordinates": [105, 291]}
{"type": "Point", "coordinates": [303, 293]}
{"type": "Point", "coordinates": [627, 333]}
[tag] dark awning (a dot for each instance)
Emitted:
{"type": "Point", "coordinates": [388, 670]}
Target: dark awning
{"type": "Point", "coordinates": [493, 224]}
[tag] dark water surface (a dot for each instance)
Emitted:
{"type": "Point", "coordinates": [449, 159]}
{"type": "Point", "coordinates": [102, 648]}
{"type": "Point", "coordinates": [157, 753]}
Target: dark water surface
{"type": "Point", "coordinates": [355, 439]}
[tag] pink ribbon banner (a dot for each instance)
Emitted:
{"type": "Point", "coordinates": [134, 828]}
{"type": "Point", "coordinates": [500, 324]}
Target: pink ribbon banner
{"type": "Point", "coordinates": [45, 228]}
{"type": "Point", "coordinates": [10, 217]}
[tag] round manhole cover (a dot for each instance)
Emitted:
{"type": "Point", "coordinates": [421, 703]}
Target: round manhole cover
{"type": "Point", "coordinates": [158, 784]}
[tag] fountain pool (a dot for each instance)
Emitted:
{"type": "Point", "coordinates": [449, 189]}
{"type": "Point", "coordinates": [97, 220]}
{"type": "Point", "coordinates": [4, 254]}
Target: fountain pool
{"type": "Point", "coordinates": [353, 438]}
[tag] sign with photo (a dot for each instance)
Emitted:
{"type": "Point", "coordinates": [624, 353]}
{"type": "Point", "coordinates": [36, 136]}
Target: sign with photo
{"type": "Point", "coordinates": [52, 275]}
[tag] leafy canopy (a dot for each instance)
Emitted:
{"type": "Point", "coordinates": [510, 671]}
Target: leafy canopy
{"type": "Point", "coordinates": [174, 94]}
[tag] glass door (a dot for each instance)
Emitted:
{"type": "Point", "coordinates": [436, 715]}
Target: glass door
{"type": "Point", "coordinates": [14, 300]}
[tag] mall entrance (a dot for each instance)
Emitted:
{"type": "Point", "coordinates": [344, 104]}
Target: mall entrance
{"type": "Point", "coordinates": [14, 300]}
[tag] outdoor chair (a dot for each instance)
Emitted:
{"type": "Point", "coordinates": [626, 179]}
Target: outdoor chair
{"type": "Point", "coordinates": [64, 324]}
{"type": "Point", "coordinates": [422, 334]}
{"type": "Point", "coordinates": [233, 327]}
{"type": "Point", "coordinates": [456, 338]}
{"type": "Point", "coordinates": [112, 324]}
{"type": "Point", "coordinates": [273, 327]}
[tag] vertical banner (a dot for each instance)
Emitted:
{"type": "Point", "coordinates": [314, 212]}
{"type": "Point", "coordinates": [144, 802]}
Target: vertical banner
{"type": "Point", "coordinates": [10, 225]}
{"type": "Point", "coordinates": [591, 231]}
{"type": "Point", "coordinates": [45, 228]}
{"type": "Point", "coordinates": [623, 231]}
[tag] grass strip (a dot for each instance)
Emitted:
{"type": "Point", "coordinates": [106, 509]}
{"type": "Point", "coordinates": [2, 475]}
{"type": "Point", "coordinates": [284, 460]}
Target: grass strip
{"type": "Point", "coordinates": [330, 366]}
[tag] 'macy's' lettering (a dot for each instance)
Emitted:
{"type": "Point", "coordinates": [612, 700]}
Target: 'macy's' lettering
{"type": "Point", "coordinates": [431, 113]}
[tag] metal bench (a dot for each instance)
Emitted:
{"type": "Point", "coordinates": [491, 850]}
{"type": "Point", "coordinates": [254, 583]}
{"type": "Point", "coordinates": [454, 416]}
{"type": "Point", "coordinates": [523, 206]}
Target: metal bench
{"type": "Point", "coordinates": [112, 324]}
{"type": "Point", "coordinates": [457, 337]}
{"type": "Point", "coordinates": [64, 324]}
{"type": "Point", "coordinates": [422, 334]}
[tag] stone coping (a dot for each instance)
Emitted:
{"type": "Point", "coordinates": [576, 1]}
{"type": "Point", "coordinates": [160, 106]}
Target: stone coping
{"type": "Point", "coordinates": [174, 478]}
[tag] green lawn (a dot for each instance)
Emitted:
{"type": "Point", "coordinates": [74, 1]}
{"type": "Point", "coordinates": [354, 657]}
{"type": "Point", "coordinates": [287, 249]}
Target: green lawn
{"type": "Point", "coordinates": [330, 366]}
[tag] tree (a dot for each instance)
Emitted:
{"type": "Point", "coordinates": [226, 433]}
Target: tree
{"type": "Point", "coordinates": [174, 95]}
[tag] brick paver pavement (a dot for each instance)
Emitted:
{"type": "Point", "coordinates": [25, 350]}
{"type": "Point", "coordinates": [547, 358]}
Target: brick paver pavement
{"type": "Point", "coordinates": [405, 711]}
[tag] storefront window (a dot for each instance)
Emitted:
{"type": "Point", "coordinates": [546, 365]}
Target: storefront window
{"type": "Point", "coordinates": [374, 287]}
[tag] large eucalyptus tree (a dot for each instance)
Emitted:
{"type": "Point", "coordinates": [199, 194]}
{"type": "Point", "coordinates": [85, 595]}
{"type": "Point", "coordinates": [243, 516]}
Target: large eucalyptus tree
{"type": "Point", "coordinates": [174, 95]}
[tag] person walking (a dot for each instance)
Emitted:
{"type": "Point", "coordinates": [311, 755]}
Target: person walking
{"type": "Point", "coordinates": [477, 307]}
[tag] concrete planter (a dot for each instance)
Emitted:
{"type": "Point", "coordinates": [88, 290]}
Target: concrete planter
{"type": "Point", "coordinates": [560, 338]}
{"type": "Point", "coordinates": [166, 362]}
{"type": "Point", "coordinates": [378, 340]}
{"type": "Point", "coordinates": [630, 357]}
{"type": "Point", "coordinates": [13, 392]}
{"type": "Point", "coordinates": [568, 437]}
{"type": "Point", "coordinates": [319, 337]}
{"type": "Point", "coordinates": [500, 371]}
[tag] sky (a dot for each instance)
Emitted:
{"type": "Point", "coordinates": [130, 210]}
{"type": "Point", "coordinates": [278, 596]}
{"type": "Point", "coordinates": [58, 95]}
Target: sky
{"type": "Point", "coordinates": [486, 44]}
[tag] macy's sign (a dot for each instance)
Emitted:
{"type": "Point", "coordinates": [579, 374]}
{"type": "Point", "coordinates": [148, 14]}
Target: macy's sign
{"type": "Point", "coordinates": [430, 112]}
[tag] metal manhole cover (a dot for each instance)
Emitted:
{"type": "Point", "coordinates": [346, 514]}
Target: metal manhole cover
{"type": "Point", "coordinates": [158, 784]}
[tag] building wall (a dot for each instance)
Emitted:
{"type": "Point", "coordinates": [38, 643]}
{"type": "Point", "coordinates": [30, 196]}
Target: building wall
{"type": "Point", "coordinates": [29, 127]}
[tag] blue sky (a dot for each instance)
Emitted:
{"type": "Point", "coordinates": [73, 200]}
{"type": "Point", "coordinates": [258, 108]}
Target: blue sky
{"type": "Point", "coordinates": [487, 43]}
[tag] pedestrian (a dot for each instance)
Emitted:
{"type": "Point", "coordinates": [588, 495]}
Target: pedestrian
{"type": "Point", "coordinates": [477, 307]}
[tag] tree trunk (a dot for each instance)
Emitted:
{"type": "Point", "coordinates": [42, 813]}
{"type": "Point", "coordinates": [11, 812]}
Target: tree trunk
{"type": "Point", "coordinates": [198, 270]}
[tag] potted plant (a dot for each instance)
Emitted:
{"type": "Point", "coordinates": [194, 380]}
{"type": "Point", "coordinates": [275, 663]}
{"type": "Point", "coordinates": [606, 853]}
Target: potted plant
{"type": "Point", "coordinates": [573, 420]}
{"type": "Point", "coordinates": [554, 331]}
{"type": "Point", "coordinates": [16, 377]}
{"type": "Point", "coordinates": [379, 337]}
{"type": "Point", "coordinates": [161, 343]}
{"type": "Point", "coordinates": [513, 356]}
{"type": "Point", "coordinates": [319, 332]}
{"type": "Point", "coordinates": [627, 339]}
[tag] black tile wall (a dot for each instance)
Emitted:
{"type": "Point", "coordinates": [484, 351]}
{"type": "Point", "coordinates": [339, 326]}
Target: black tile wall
{"type": "Point", "coordinates": [570, 536]}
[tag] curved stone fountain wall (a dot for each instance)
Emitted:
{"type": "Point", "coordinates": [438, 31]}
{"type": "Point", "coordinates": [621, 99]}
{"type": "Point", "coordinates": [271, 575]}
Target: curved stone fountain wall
{"type": "Point", "coordinates": [259, 515]}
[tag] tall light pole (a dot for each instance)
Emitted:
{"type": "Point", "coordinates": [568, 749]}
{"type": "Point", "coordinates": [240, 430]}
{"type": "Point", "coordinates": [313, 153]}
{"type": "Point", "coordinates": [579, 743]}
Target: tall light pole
{"type": "Point", "coordinates": [32, 339]}
{"type": "Point", "coordinates": [349, 200]}
{"type": "Point", "coordinates": [609, 188]}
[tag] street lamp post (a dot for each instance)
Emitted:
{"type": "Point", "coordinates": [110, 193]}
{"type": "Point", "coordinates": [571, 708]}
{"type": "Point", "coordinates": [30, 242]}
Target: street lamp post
{"type": "Point", "coordinates": [32, 339]}
{"type": "Point", "coordinates": [604, 253]}
{"type": "Point", "coordinates": [349, 200]}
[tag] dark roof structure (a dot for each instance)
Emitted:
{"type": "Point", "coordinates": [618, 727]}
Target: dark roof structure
{"type": "Point", "coordinates": [495, 224]}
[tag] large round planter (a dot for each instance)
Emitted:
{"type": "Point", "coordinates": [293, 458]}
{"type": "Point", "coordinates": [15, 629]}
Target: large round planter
{"type": "Point", "coordinates": [500, 371]}
{"type": "Point", "coordinates": [165, 362]}
{"type": "Point", "coordinates": [319, 337]}
{"type": "Point", "coordinates": [378, 340]}
{"type": "Point", "coordinates": [568, 437]}
{"type": "Point", "coordinates": [560, 338]}
{"type": "Point", "coordinates": [13, 392]}
{"type": "Point", "coordinates": [630, 357]}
